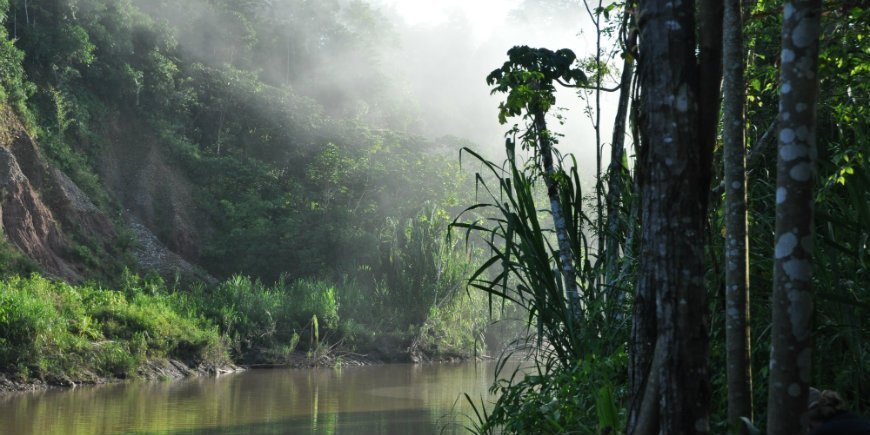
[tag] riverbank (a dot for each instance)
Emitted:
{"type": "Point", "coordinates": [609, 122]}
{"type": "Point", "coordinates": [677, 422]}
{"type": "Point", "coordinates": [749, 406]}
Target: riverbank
{"type": "Point", "coordinates": [157, 369]}
{"type": "Point", "coordinates": [172, 369]}
{"type": "Point", "coordinates": [55, 334]}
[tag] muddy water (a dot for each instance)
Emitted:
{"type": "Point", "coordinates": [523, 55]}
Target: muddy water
{"type": "Point", "coordinates": [388, 399]}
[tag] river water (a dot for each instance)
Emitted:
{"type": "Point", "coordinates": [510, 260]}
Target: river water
{"type": "Point", "coordinates": [386, 399]}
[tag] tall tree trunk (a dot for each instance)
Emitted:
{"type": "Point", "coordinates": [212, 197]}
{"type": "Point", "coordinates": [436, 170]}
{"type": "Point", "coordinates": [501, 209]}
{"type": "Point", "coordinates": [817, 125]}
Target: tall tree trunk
{"type": "Point", "coordinates": [674, 183]}
{"type": "Point", "coordinates": [599, 186]}
{"type": "Point", "coordinates": [737, 332]}
{"type": "Point", "coordinates": [796, 173]}
{"type": "Point", "coordinates": [566, 256]}
{"type": "Point", "coordinates": [617, 172]}
{"type": "Point", "coordinates": [710, 70]}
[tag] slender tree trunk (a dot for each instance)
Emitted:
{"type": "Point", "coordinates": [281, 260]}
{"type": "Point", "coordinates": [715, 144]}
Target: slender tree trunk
{"type": "Point", "coordinates": [737, 332]}
{"type": "Point", "coordinates": [674, 184]}
{"type": "Point", "coordinates": [617, 172]}
{"type": "Point", "coordinates": [599, 186]}
{"type": "Point", "coordinates": [796, 173]}
{"type": "Point", "coordinates": [710, 70]}
{"type": "Point", "coordinates": [566, 256]}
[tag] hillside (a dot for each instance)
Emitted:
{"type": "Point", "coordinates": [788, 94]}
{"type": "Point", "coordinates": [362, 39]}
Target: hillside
{"type": "Point", "coordinates": [275, 211]}
{"type": "Point", "coordinates": [202, 153]}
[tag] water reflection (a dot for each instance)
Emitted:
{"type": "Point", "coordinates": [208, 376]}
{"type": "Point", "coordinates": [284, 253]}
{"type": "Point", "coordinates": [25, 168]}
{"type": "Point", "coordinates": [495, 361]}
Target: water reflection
{"type": "Point", "coordinates": [418, 399]}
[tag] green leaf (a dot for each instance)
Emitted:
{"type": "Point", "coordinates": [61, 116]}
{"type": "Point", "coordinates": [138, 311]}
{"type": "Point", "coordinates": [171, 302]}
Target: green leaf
{"type": "Point", "coordinates": [755, 84]}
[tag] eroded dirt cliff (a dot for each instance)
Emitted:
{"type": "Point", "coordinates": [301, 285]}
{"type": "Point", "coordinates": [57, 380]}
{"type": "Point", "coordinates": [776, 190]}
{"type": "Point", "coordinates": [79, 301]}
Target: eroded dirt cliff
{"type": "Point", "coordinates": [52, 221]}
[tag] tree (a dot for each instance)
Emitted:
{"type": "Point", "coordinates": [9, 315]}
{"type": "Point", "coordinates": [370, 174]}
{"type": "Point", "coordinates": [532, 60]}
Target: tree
{"type": "Point", "coordinates": [679, 105]}
{"type": "Point", "coordinates": [739, 373]}
{"type": "Point", "coordinates": [527, 77]}
{"type": "Point", "coordinates": [617, 171]}
{"type": "Point", "coordinates": [790, 357]}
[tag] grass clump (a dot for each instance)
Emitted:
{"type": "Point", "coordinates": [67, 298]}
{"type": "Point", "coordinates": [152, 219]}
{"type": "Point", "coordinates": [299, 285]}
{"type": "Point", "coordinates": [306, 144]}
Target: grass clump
{"type": "Point", "coordinates": [262, 321]}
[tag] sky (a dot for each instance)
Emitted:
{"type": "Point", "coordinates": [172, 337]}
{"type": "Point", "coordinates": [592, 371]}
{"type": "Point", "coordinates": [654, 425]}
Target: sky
{"type": "Point", "coordinates": [488, 15]}
{"type": "Point", "coordinates": [449, 46]}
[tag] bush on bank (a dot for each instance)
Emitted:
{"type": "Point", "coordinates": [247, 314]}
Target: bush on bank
{"type": "Point", "coordinates": [53, 329]}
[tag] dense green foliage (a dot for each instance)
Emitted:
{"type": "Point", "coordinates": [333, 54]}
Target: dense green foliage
{"type": "Point", "coordinates": [14, 88]}
{"type": "Point", "coordinates": [310, 195]}
{"type": "Point", "coordinates": [56, 331]}
{"type": "Point", "coordinates": [286, 187]}
{"type": "Point", "coordinates": [257, 318]}
{"type": "Point", "coordinates": [841, 279]}
{"type": "Point", "coordinates": [579, 371]}
{"type": "Point", "coordinates": [53, 330]}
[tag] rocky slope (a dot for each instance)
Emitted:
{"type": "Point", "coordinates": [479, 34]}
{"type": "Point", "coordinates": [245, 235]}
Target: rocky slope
{"type": "Point", "coordinates": [52, 221]}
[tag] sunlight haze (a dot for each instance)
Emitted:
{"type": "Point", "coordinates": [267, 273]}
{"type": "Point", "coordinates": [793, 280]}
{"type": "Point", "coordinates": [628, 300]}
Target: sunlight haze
{"type": "Point", "coordinates": [487, 15]}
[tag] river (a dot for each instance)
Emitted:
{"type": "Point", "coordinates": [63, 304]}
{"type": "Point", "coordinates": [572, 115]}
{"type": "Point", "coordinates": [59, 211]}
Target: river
{"type": "Point", "coordinates": [385, 399]}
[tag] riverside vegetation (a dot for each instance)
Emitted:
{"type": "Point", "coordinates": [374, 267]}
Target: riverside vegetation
{"type": "Point", "coordinates": [229, 204]}
{"type": "Point", "coordinates": [292, 211]}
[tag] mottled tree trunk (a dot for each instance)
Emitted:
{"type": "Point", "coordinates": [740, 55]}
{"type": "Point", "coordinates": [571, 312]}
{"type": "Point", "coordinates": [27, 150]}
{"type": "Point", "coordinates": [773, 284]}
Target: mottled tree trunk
{"type": "Point", "coordinates": [674, 181]}
{"type": "Point", "coordinates": [737, 332]}
{"type": "Point", "coordinates": [566, 256]}
{"type": "Point", "coordinates": [796, 174]}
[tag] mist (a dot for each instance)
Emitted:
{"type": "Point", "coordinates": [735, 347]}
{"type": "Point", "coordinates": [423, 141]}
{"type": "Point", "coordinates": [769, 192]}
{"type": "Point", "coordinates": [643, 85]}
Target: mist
{"type": "Point", "coordinates": [446, 51]}
{"type": "Point", "coordinates": [405, 65]}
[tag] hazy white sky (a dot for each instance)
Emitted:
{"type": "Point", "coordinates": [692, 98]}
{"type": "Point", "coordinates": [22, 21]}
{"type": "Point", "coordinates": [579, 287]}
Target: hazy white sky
{"type": "Point", "coordinates": [485, 12]}
{"type": "Point", "coordinates": [453, 44]}
{"type": "Point", "coordinates": [487, 15]}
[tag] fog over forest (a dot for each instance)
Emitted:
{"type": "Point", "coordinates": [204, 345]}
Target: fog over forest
{"type": "Point", "coordinates": [202, 187]}
{"type": "Point", "coordinates": [446, 49]}
{"type": "Point", "coordinates": [429, 58]}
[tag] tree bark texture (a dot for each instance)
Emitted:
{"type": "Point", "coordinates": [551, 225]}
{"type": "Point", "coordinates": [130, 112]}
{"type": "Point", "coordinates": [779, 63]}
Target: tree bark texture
{"type": "Point", "coordinates": [737, 333]}
{"type": "Point", "coordinates": [617, 173]}
{"type": "Point", "coordinates": [796, 175]}
{"type": "Point", "coordinates": [709, 88]}
{"type": "Point", "coordinates": [674, 180]}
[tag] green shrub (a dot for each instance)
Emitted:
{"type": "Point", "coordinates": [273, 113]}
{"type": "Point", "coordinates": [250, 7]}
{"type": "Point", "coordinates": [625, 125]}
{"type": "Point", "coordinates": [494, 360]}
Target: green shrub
{"type": "Point", "coordinates": [50, 328]}
{"type": "Point", "coordinates": [560, 399]}
{"type": "Point", "coordinates": [254, 316]}
{"type": "Point", "coordinates": [316, 298]}
{"type": "Point", "coordinates": [113, 358]}
{"type": "Point", "coordinates": [27, 317]}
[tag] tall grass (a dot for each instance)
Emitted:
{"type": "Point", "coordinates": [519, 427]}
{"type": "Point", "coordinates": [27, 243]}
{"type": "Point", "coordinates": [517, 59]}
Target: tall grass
{"type": "Point", "coordinates": [576, 361]}
{"type": "Point", "coordinates": [266, 322]}
{"type": "Point", "coordinates": [412, 295]}
{"type": "Point", "coordinates": [51, 329]}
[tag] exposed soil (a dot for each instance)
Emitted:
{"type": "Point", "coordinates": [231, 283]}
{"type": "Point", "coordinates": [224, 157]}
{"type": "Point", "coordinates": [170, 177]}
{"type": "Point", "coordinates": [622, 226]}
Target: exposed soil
{"type": "Point", "coordinates": [47, 216]}
{"type": "Point", "coordinates": [163, 369]}
{"type": "Point", "coordinates": [138, 172]}
{"type": "Point", "coordinates": [170, 369]}
{"type": "Point", "coordinates": [36, 201]}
